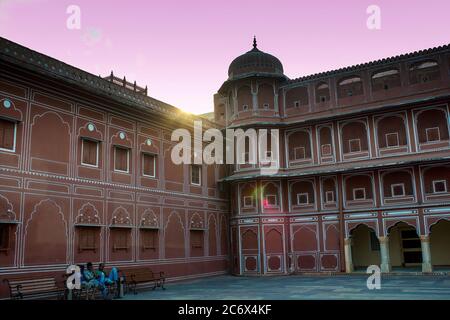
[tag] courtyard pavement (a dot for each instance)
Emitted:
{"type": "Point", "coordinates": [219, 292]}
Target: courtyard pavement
{"type": "Point", "coordinates": [301, 287]}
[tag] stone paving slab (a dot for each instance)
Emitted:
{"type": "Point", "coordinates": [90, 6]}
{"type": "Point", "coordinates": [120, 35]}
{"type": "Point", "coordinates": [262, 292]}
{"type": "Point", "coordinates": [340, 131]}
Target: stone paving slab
{"type": "Point", "coordinates": [302, 288]}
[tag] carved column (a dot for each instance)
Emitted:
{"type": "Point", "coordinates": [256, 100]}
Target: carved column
{"type": "Point", "coordinates": [235, 102]}
{"type": "Point", "coordinates": [291, 264]}
{"type": "Point", "coordinates": [255, 90]}
{"type": "Point", "coordinates": [227, 112]}
{"type": "Point", "coordinates": [384, 252]}
{"type": "Point", "coordinates": [348, 255]}
{"type": "Point", "coordinates": [426, 254]}
{"type": "Point", "coordinates": [275, 101]}
{"type": "Point", "coordinates": [255, 101]}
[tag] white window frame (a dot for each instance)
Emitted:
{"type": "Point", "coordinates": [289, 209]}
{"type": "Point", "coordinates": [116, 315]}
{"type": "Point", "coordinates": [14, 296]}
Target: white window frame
{"type": "Point", "coordinates": [439, 181]}
{"type": "Point", "coordinates": [321, 150]}
{"type": "Point", "coordinates": [359, 189]}
{"type": "Point", "coordinates": [332, 196]}
{"type": "Point", "coordinates": [397, 185]}
{"type": "Point", "coordinates": [82, 153]}
{"type": "Point", "coordinates": [274, 196]}
{"type": "Point", "coordinates": [300, 195]}
{"type": "Point", "coordinates": [128, 159]}
{"type": "Point", "coordinates": [387, 139]}
{"type": "Point", "coordinates": [439, 134]}
{"type": "Point", "coordinates": [154, 164]}
{"type": "Point", "coordinates": [199, 175]}
{"type": "Point", "coordinates": [295, 153]}
{"type": "Point", "coordinates": [245, 202]}
{"type": "Point", "coordinates": [14, 140]}
{"type": "Point", "coordinates": [297, 104]}
{"type": "Point", "coordinates": [350, 145]}
{"type": "Point", "coordinates": [245, 107]}
{"type": "Point", "coordinates": [266, 106]}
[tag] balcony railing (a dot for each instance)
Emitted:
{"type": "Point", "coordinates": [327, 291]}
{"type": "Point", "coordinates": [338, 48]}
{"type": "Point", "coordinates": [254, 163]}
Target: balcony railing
{"type": "Point", "coordinates": [124, 83]}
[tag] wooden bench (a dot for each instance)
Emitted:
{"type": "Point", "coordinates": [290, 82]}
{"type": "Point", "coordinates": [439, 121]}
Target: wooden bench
{"type": "Point", "coordinates": [21, 287]}
{"type": "Point", "coordinates": [136, 276]}
{"type": "Point", "coordinates": [94, 293]}
{"type": "Point", "coordinates": [84, 293]}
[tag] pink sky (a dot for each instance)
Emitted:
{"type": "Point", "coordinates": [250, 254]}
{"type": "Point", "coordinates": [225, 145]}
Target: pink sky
{"type": "Point", "coordinates": [182, 49]}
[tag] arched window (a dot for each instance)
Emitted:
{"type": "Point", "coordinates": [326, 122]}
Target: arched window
{"type": "Point", "coordinates": [397, 185]}
{"type": "Point", "coordinates": [270, 196]}
{"type": "Point", "coordinates": [299, 147]}
{"type": "Point", "coordinates": [245, 101]}
{"type": "Point", "coordinates": [326, 150]}
{"type": "Point", "coordinates": [248, 199]}
{"type": "Point", "coordinates": [328, 191]}
{"type": "Point", "coordinates": [436, 181]}
{"type": "Point", "coordinates": [302, 194]}
{"type": "Point", "coordinates": [385, 80]}
{"type": "Point", "coordinates": [350, 86]}
{"type": "Point", "coordinates": [391, 132]}
{"type": "Point", "coordinates": [322, 92]}
{"type": "Point", "coordinates": [359, 189]}
{"type": "Point", "coordinates": [297, 98]}
{"type": "Point", "coordinates": [424, 71]}
{"type": "Point", "coordinates": [432, 126]}
{"type": "Point", "coordinates": [265, 97]}
{"type": "Point", "coordinates": [354, 139]}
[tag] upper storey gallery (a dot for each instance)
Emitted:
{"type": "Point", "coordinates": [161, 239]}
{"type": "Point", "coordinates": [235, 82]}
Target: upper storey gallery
{"type": "Point", "coordinates": [257, 91]}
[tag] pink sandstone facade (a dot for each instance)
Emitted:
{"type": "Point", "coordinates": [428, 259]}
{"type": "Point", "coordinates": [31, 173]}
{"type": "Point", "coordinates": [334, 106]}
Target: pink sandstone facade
{"type": "Point", "coordinates": [364, 165]}
{"type": "Point", "coordinates": [86, 174]}
{"type": "Point", "coordinates": [73, 187]}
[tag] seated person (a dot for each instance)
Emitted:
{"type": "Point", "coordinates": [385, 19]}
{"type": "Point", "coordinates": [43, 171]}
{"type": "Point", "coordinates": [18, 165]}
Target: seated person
{"type": "Point", "coordinates": [106, 280]}
{"type": "Point", "coordinates": [88, 276]}
{"type": "Point", "coordinates": [112, 278]}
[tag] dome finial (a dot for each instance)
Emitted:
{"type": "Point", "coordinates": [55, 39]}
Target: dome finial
{"type": "Point", "coordinates": [254, 42]}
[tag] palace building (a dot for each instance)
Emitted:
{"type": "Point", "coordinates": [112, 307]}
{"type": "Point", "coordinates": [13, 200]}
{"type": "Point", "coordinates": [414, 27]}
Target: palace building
{"type": "Point", "coordinates": [364, 173]}
{"type": "Point", "coordinates": [86, 175]}
{"type": "Point", "coordinates": [364, 177]}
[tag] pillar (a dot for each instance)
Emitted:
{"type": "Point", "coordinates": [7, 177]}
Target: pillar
{"type": "Point", "coordinates": [290, 259]}
{"type": "Point", "coordinates": [348, 255]}
{"type": "Point", "coordinates": [384, 252]}
{"type": "Point", "coordinates": [235, 103]}
{"type": "Point", "coordinates": [275, 104]}
{"type": "Point", "coordinates": [426, 254]}
{"type": "Point", "coordinates": [255, 101]}
{"type": "Point", "coordinates": [227, 112]}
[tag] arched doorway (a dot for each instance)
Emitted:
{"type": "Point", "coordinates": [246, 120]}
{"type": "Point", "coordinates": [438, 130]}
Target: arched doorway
{"type": "Point", "coordinates": [365, 247]}
{"type": "Point", "coordinates": [250, 251]}
{"type": "Point", "coordinates": [439, 245]}
{"type": "Point", "coordinates": [405, 250]}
